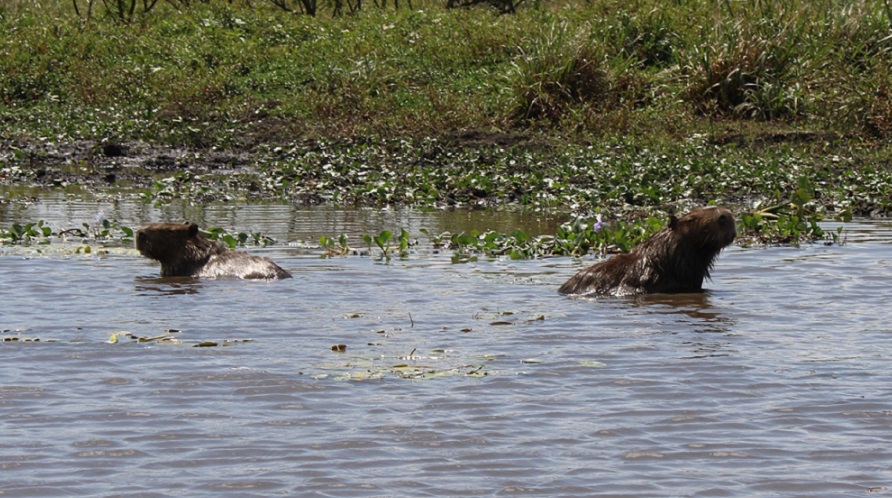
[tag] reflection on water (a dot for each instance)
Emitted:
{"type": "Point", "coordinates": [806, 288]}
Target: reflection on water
{"type": "Point", "coordinates": [710, 325]}
{"type": "Point", "coordinates": [696, 305]}
{"type": "Point", "coordinates": [167, 285]}
{"type": "Point", "coordinates": [473, 379]}
{"type": "Point", "coordinates": [695, 300]}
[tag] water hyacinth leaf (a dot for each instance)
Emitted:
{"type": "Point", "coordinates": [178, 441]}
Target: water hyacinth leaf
{"type": "Point", "coordinates": [520, 236]}
{"type": "Point", "coordinates": [404, 239]}
{"type": "Point", "coordinates": [383, 238]}
{"type": "Point", "coordinates": [229, 240]}
{"type": "Point", "coordinates": [804, 193]}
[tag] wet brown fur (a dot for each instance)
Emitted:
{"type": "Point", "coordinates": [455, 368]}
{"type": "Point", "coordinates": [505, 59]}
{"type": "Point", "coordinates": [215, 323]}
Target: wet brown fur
{"type": "Point", "coordinates": [675, 259]}
{"type": "Point", "coordinates": [182, 251]}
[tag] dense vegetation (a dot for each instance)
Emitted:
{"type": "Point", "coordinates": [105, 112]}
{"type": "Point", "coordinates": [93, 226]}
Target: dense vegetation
{"type": "Point", "coordinates": [599, 107]}
{"type": "Point", "coordinates": [236, 74]}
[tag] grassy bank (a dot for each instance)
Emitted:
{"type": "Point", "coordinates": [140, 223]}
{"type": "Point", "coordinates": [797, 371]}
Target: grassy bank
{"type": "Point", "coordinates": [236, 74]}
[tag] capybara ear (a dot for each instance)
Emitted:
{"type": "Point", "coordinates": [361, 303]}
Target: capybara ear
{"type": "Point", "coordinates": [193, 230]}
{"type": "Point", "coordinates": [673, 222]}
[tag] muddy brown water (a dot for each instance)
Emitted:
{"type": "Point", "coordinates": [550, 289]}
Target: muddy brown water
{"type": "Point", "coordinates": [473, 379]}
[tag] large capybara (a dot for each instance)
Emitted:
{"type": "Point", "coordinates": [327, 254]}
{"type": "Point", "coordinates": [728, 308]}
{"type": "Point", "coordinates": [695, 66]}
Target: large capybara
{"type": "Point", "coordinates": [183, 252]}
{"type": "Point", "coordinates": [675, 259]}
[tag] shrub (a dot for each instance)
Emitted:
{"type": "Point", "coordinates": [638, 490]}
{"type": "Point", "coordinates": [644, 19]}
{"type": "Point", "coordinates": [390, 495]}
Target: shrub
{"type": "Point", "coordinates": [745, 74]}
{"type": "Point", "coordinates": [562, 67]}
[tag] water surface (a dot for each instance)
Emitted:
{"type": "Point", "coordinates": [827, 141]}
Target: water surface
{"type": "Point", "coordinates": [473, 379]}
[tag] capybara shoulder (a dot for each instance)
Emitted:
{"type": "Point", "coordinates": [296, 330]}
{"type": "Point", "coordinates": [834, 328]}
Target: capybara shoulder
{"type": "Point", "coordinates": [675, 259]}
{"type": "Point", "coordinates": [183, 251]}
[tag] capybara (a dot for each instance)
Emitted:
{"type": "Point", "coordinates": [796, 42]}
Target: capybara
{"type": "Point", "coordinates": [183, 252]}
{"type": "Point", "coordinates": [675, 259]}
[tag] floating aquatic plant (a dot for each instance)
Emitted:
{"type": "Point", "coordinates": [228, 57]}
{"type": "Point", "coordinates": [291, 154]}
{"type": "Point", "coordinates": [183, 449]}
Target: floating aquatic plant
{"type": "Point", "coordinates": [171, 337]}
{"type": "Point", "coordinates": [43, 233]}
{"type": "Point", "coordinates": [791, 216]}
{"type": "Point", "coordinates": [334, 247]}
{"type": "Point", "coordinates": [790, 221]}
{"type": "Point", "coordinates": [238, 239]}
{"type": "Point", "coordinates": [383, 241]}
{"type": "Point", "coordinates": [18, 233]}
{"type": "Point", "coordinates": [435, 364]}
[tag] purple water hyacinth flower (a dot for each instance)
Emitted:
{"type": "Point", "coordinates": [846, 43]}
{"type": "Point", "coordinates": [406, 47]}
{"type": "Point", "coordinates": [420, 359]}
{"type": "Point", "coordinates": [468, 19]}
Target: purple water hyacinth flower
{"type": "Point", "coordinates": [598, 225]}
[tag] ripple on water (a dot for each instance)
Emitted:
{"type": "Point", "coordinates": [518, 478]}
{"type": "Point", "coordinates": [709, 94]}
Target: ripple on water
{"type": "Point", "coordinates": [471, 379]}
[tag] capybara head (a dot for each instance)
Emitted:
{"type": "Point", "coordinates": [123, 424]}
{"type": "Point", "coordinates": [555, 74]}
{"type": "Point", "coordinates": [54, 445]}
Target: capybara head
{"type": "Point", "coordinates": [164, 241]}
{"type": "Point", "coordinates": [179, 248]}
{"type": "Point", "coordinates": [709, 229]}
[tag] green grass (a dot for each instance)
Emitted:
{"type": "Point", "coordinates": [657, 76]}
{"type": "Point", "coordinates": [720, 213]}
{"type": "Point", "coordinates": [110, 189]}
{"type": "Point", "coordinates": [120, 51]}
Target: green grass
{"type": "Point", "coordinates": [235, 74]}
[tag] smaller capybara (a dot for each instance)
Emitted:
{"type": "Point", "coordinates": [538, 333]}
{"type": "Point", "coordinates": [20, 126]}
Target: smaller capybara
{"type": "Point", "coordinates": [675, 259]}
{"type": "Point", "coordinates": [183, 252]}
